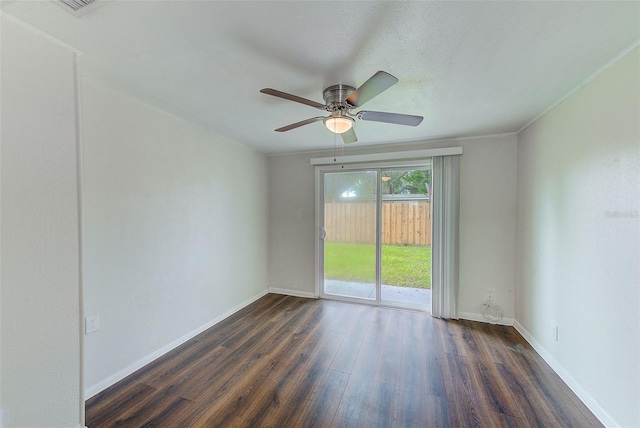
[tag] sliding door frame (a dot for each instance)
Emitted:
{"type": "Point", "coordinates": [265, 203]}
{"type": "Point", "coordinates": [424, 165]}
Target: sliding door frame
{"type": "Point", "coordinates": [378, 167]}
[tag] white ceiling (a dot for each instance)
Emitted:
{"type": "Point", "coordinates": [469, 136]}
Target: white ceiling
{"type": "Point", "coordinates": [470, 68]}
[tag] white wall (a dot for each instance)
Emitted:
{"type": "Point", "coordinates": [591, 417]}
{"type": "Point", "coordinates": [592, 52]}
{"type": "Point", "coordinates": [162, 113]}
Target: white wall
{"type": "Point", "coordinates": [291, 223]}
{"type": "Point", "coordinates": [175, 230]}
{"type": "Point", "coordinates": [578, 239]}
{"type": "Point", "coordinates": [487, 223]}
{"type": "Point", "coordinates": [40, 322]}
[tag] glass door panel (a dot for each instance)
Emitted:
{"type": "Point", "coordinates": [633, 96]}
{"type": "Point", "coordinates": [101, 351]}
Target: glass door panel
{"type": "Point", "coordinates": [350, 233]}
{"type": "Point", "coordinates": [406, 236]}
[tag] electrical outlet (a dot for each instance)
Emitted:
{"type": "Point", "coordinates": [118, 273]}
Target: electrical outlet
{"type": "Point", "coordinates": [489, 296]}
{"type": "Point", "coordinates": [91, 324]}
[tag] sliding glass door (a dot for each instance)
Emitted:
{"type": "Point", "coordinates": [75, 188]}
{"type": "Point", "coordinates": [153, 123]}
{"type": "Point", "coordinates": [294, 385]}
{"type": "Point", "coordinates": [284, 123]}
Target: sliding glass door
{"type": "Point", "coordinates": [375, 235]}
{"type": "Point", "coordinates": [350, 234]}
{"type": "Point", "coordinates": [405, 236]}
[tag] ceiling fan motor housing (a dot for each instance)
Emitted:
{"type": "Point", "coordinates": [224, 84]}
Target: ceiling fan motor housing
{"type": "Point", "coordinates": [335, 96]}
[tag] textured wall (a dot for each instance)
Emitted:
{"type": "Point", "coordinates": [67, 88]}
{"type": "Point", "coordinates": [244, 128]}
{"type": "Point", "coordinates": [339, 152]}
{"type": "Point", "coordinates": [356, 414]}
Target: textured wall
{"type": "Point", "coordinates": [175, 229]}
{"type": "Point", "coordinates": [39, 249]}
{"type": "Point", "coordinates": [578, 238]}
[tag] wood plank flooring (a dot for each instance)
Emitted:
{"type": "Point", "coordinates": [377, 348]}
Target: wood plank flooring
{"type": "Point", "coordinates": [292, 362]}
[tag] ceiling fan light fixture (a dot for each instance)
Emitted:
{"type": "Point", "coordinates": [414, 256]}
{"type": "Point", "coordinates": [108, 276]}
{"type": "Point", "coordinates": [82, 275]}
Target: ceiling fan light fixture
{"type": "Point", "coordinates": [339, 124]}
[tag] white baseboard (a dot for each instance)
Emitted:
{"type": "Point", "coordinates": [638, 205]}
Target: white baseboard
{"type": "Point", "coordinates": [595, 408]}
{"type": "Point", "coordinates": [472, 316]}
{"type": "Point", "coordinates": [294, 293]}
{"type": "Point", "coordinates": [588, 401]}
{"type": "Point", "coordinates": [104, 384]}
{"type": "Point", "coordinates": [2, 421]}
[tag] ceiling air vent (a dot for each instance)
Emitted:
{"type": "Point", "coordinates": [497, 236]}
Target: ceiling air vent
{"type": "Point", "coordinates": [79, 7]}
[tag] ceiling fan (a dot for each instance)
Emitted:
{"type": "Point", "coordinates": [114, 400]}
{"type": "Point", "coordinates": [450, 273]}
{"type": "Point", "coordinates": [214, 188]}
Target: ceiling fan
{"type": "Point", "coordinates": [341, 99]}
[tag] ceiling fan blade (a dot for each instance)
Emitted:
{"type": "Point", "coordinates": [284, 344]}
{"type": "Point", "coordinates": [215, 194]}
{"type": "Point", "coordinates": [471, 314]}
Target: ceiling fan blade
{"type": "Point", "coordinates": [349, 136]}
{"type": "Point", "coordinates": [290, 97]}
{"type": "Point", "coordinates": [399, 119]}
{"type": "Point", "coordinates": [299, 124]}
{"type": "Point", "coordinates": [378, 83]}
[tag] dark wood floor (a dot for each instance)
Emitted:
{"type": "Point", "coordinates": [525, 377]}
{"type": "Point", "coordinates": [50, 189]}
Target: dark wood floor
{"type": "Point", "coordinates": [293, 362]}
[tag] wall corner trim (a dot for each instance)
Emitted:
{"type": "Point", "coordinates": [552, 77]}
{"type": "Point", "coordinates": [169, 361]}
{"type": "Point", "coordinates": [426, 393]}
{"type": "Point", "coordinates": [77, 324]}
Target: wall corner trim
{"type": "Point", "coordinates": [294, 293]}
{"type": "Point", "coordinates": [595, 408]}
{"type": "Point", "coordinates": [104, 384]}
{"type": "Point", "coordinates": [40, 33]}
{"type": "Point", "coordinates": [583, 83]}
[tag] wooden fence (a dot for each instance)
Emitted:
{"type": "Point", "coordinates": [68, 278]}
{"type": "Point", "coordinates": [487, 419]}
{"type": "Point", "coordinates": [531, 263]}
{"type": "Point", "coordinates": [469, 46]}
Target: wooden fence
{"type": "Point", "coordinates": [403, 223]}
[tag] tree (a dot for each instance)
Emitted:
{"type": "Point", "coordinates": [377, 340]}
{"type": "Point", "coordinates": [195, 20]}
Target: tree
{"type": "Point", "coordinates": [354, 185]}
{"type": "Point", "coordinates": [407, 182]}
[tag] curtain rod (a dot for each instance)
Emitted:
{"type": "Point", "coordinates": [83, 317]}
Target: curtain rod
{"type": "Point", "coordinates": [407, 155]}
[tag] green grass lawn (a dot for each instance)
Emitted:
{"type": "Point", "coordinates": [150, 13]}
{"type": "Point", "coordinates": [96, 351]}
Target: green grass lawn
{"type": "Point", "coordinates": [405, 266]}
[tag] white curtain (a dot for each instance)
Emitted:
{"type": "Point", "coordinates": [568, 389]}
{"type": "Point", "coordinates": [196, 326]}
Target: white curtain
{"type": "Point", "coordinates": [445, 236]}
